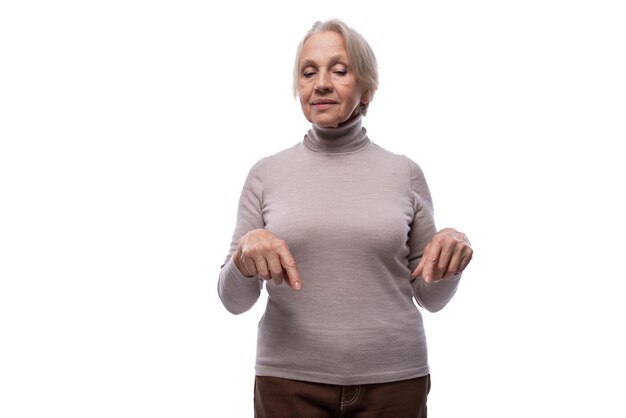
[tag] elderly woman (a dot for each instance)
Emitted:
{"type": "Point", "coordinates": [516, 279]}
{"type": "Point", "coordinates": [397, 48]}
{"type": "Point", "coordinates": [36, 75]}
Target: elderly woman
{"type": "Point", "coordinates": [342, 231]}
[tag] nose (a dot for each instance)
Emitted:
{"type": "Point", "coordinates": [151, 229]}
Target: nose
{"type": "Point", "coordinates": [323, 84]}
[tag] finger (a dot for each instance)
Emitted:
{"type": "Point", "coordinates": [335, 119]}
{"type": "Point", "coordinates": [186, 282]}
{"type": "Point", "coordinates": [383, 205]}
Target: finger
{"type": "Point", "coordinates": [445, 257]}
{"type": "Point", "coordinates": [248, 265]}
{"type": "Point", "coordinates": [289, 267]}
{"type": "Point", "coordinates": [468, 254]}
{"type": "Point", "coordinates": [460, 260]}
{"type": "Point", "coordinates": [278, 278]}
{"type": "Point", "coordinates": [454, 265]}
{"type": "Point", "coordinates": [467, 240]}
{"type": "Point", "coordinates": [261, 267]}
{"type": "Point", "coordinates": [275, 268]}
{"type": "Point", "coordinates": [430, 273]}
{"type": "Point", "coordinates": [419, 269]}
{"type": "Point", "coordinates": [420, 266]}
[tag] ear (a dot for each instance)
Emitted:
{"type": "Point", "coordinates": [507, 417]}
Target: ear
{"type": "Point", "coordinates": [365, 97]}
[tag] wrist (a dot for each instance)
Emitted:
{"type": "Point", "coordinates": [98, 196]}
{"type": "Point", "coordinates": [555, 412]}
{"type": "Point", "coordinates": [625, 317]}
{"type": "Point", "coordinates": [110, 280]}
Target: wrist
{"type": "Point", "coordinates": [239, 264]}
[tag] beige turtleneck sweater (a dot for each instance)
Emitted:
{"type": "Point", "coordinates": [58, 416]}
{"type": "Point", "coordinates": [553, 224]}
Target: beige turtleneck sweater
{"type": "Point", "coordinates": [356, 219]}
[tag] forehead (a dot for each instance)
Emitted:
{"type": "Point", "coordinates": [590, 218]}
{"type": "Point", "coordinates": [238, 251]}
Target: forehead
{"type": "Point", "coordinates": [323, 46]}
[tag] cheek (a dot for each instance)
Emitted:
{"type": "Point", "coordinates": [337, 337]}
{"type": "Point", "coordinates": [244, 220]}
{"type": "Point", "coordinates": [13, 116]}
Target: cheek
{"type": "Point", "coordinates": [351, 91]}
{"type": "Point", "coordinates": [303, 102]}
{"type": "Point", "coordinates": [303, 93]}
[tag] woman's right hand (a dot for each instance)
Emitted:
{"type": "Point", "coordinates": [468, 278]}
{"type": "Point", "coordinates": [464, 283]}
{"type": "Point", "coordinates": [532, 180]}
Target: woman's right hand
{"type": "Point", "coordinates": [262, 253]}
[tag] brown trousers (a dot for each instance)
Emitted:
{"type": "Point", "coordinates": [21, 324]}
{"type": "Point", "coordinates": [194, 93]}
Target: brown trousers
{"type": "Point", "coordinates": [275, 397]}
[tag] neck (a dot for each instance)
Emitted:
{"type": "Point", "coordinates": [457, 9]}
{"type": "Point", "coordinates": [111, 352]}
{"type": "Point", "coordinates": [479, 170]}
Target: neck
{"type": "Point", "coordinates": [348, 137]}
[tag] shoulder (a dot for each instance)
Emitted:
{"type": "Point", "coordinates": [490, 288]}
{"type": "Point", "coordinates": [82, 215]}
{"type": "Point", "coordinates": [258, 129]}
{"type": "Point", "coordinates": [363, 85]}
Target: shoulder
{"type": "Point", "coordinates": [412, 168]}
{"type": "Point", "coordinates": [415, 171]}
{"type": "Point", "coordinates": [411, 171]}
{"type": "Point", "coordinates": [270, 161]}
{"type": "Point", "coordinates": [286, 153]}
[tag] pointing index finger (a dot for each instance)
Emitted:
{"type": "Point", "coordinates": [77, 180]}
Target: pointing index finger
{"type": "Point", "coordinates": [289, 265]}
{"type": "Point", "coordinates": [431, 256]}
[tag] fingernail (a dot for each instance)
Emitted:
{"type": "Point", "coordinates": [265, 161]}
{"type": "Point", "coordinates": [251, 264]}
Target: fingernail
{"type": "Point", "coordinates": [297, 285]}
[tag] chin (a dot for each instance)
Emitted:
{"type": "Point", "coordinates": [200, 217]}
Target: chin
{"type": "Point", "coordinates": [326, 125]}
{"type": "Point", "coordinates": [326, 122]}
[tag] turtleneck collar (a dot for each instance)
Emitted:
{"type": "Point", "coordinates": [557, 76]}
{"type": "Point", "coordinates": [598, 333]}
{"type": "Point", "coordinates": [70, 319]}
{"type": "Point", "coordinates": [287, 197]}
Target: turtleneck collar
{"type": "Point", "coordinates": [345, 138]}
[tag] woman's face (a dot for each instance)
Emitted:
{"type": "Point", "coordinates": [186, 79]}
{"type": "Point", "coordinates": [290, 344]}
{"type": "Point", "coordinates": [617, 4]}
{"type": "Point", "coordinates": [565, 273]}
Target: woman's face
{"type": "Point", "coordinates": [329, 93]}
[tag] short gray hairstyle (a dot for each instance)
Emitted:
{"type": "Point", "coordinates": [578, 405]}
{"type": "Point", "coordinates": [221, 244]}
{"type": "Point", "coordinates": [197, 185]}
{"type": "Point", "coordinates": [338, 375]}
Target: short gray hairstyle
{"type": "Point", "coordinates": [360, 54]}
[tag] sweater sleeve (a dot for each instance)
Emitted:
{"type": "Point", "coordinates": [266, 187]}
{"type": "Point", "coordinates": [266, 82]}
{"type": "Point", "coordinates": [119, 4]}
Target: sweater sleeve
{"type": "Point", "coordinates": [238, 292]}
{"type": "Point", "coordinates": [430, 296]}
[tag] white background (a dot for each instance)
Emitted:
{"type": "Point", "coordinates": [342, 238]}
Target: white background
{"type": "Point", "coordinates": [127, 128]}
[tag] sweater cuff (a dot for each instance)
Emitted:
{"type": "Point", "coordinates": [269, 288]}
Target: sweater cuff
{"type": "Point", "coordinates": [237, 292]}
{"type": "Point", "coordinates": [434, 296]}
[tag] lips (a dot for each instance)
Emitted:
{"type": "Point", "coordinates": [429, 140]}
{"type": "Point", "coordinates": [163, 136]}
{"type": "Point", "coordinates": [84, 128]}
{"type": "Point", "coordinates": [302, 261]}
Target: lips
{"type": "Point", "coordinates": [323, 102]}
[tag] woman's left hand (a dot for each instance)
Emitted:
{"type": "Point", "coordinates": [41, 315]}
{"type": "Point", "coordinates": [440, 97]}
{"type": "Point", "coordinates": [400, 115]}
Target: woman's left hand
{"type": "Point", "coordinates": [447, 254]}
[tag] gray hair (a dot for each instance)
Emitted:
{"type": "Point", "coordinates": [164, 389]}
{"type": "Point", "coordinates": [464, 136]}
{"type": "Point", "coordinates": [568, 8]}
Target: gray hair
{"type": "Point", "coordinates": [360, 54]}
